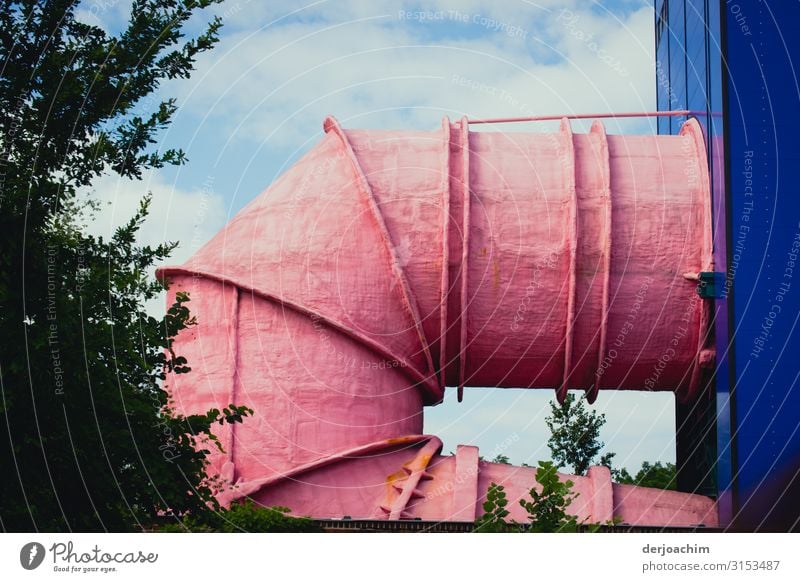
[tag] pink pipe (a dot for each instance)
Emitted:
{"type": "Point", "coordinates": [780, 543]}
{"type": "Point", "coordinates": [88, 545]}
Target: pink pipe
{"type": "Point", "coordinates": [385, 265]}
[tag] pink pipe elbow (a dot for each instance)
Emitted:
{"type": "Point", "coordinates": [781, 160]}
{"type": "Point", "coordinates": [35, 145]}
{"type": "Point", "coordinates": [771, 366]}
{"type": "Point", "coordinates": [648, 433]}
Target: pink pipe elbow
{"type": "Point", "coordinates": [385, 265]}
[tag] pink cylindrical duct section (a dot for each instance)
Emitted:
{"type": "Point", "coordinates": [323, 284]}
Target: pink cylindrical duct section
{"type": "Point", "coordinates": [570, 256]}
{"type": "Point", "coordinates": [561, 260]}
{"type": "Point", "coordinates": [578, 258]}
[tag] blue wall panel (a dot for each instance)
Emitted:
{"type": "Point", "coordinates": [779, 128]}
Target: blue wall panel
{"type": "Point", "coordinates": [762, 128]}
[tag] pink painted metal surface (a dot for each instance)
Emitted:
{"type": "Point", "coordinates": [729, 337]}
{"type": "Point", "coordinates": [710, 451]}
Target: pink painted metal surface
{"type": "Point", "coordinates": [386, 265]}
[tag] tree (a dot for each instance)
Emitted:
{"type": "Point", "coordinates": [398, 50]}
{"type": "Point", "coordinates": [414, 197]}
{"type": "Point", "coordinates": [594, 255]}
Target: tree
{"type": "Point", "coordinates": [656, 475]}
{"type": "Point", "coordinates": [575, 441]}
{"type": "Point", "coordinates": [89, 440]}
{"type": "Point", "coordinates": [575, 434]}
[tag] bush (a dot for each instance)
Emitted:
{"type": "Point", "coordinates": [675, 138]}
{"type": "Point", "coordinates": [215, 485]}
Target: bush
{"type": "Point", "coordinates": [244, 517]}
{"type": "Point", "coordinates": [547, 509]}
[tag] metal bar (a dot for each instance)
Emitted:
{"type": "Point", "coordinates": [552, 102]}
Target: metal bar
{"type": "Point", "coordinates": [581, 116]}
{"type": "Point", "coordinates": [417, 468]}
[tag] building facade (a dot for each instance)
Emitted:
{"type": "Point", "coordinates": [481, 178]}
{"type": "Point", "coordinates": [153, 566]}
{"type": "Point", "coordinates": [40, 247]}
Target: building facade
{"type": "Point", "coordinates": [731, 63]}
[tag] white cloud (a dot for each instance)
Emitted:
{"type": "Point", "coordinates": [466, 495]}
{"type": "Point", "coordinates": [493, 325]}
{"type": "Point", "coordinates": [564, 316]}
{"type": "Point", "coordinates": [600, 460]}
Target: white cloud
{"type": "Point", "coordinates": [106, 14]}
{"type": "Point", "coordinates": [189, 217]}
{"type": "Point", "coordinates": [274, 83]}
{"type": "Point", "coordinates": [251, 13]}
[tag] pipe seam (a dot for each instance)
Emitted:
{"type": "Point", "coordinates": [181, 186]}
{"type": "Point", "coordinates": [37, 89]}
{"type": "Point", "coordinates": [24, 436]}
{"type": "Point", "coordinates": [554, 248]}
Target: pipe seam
{"type": "Point", "coordinates": [599, 130]}
{"type": "Point", "coordinates": [445, 251]}
{"type": "Point", "coordinates": [409, 300]}
{"type": "Point", "coordinates": [432, 388]}
{"type": "Point", "coordinates": [462, 348]}
{"type": "Point", "coordinates": [247, 488]}
{"type": "Point", "coordinates": [567, 160]}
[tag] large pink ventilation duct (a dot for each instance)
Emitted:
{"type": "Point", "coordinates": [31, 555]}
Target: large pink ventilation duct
{"type": "Point", "coordinates": [386, 265]}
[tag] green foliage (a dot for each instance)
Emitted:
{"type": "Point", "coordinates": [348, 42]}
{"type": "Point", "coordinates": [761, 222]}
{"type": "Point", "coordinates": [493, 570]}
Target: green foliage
{"type": "Point", "coordinates": [574, 434]}
{"type": "Point", "coordinates": [656, 475]}
{"type": "Point", "coordinates": [502, 459]}
{"type": "Point", "coordinates": [495, 513]}
{"type": "Point", "coordinates": [547, 510]}
{"type": "Point", "coordinates": [109, 451]}
{"type": "Point", "coordinates": [606, 460]}
{"type": "Point", "coordinates": [620, 475]}
{"type": "Point", "coordinates": [244, 517]}
{"type": "Point", "coordinates": [598, 527]}
{"type": "Point", "coordinates": [89, 440]}
{"type": "Point", "coordinates": [547, 507]}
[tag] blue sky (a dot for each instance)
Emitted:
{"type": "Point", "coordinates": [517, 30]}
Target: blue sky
{"type": "Point", "coordinates": [257, 102]}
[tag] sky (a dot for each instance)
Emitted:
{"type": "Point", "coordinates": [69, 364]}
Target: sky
{"type": "Point", "coordinates": [256, 103]}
